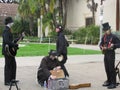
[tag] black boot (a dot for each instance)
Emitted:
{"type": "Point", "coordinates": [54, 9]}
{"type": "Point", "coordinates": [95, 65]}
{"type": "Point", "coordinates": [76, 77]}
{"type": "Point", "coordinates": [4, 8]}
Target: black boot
{"type": "Point", "coordinates": [111, 86]}
{"type": "Point", "coordinates": [106, 83]}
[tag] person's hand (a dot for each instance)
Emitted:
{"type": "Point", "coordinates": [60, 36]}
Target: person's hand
{"type": "Point", "coordinates": [111, 46]}
{"type": "Point", "coordinates": [104, 48]}
{"type": "Point", "coordinates": [57, 68]}
{"type": "Point", "coordinates": [53, 77]}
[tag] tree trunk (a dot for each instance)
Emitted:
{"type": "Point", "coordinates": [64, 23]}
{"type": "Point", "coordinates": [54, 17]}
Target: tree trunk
{"type": "Point", "coordinates": [93, 12]}
{"type": "Point", "coordinates": [65, 13]}
{"type": "Point", "coordinates": [117, 15]}
{"type": "Point", "coordinates": [31, 26]}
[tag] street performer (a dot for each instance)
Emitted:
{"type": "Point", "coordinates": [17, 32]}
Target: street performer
{"type": "Point", "coordinates": [47, 64]}
{"type": "Point", "coordinates": [10, 61]}
{"type": "Point", "coordinates": [108, 44]}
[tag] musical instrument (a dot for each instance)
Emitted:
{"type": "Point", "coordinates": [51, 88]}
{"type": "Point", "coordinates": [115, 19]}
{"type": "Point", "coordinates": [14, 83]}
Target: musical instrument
{"type": "Point", "coordinates": [105, 47]}
{"type": "Point", "coordinates": [12, 51]}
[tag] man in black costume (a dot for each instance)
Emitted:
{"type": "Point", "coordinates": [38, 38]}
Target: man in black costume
{"type": "Point", "coordinates": [108, 44]}
{"type": "Point", "coordinates": [10, 62]}
{"type": "Point", "coordinates": [61, 47]}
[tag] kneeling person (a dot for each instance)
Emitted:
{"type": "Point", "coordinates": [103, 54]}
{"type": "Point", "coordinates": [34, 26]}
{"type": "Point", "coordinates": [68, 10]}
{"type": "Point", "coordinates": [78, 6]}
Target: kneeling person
{"type": "Point", "coordinates": [48, 63]}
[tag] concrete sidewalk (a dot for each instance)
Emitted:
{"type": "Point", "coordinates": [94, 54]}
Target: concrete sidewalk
{"type": "Point", "coordinates": [82, 69]}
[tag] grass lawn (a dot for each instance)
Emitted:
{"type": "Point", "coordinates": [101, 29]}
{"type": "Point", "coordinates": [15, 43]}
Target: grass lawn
{"type": "Point", "coordinates": [42, 50]}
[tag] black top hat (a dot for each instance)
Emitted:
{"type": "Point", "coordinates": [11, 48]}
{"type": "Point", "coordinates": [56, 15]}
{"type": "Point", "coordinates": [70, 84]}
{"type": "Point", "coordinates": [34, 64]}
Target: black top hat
{"type": "Point", "coordinates": [106, 26]}
{"type": "Point", "coordinates": [8, 20]}
{"type": "Point", "coordinates": [53, 52]}
{"type": "Point", "coordinates": [59, 26]}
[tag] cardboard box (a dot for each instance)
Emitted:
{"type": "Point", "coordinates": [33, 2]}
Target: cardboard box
{"type": "Point", "coordinates": [58, 73]}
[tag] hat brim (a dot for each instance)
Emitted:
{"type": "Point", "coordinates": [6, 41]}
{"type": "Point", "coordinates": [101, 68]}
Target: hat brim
{"type": "Point", "coordinates": [107, 28]}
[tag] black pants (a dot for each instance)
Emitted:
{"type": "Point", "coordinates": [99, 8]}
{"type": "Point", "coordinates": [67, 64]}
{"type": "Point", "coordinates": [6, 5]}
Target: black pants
{"type": "Point", "coordinates": [109, 62]}
{"type": "Point", "coordinates": [9, 69]}
{"type": "Point", "coordinates": [63, 66]}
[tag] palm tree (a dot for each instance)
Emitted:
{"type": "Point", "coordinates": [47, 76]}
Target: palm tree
{"type": "Point", "coordinates": [52, 14]}
{"type": "Point", "coordinates": [93, 9]}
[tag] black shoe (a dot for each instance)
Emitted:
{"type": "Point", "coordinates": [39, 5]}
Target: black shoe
{"type": "Point", "coordinates": [41, 83]}
{"type": "Point", "coordinates": [7, 84]}
{"type": "Point", "coordinates": [106, 83]}
{"type": "Point", "coordinates": [111, 86]}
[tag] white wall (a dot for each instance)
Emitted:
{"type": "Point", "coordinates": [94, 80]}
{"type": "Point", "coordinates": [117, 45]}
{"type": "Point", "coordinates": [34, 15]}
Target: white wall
{"type": "Point", "coordinates": [78, 11]}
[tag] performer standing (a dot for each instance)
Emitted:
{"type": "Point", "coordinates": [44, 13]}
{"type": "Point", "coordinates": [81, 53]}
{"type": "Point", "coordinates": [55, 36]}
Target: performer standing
{"type": "Point", "coordinates": [10, 62]}
{"type": "Point", "coordinates": [108, 44]}
{"type": "Point", "coordinates": [61, 46]}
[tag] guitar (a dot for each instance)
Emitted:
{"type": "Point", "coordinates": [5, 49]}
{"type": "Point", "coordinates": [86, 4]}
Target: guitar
{"type": "Point", "coordinates": [106, 46]}
{"type": "Point", "coordinates": [12, 51]}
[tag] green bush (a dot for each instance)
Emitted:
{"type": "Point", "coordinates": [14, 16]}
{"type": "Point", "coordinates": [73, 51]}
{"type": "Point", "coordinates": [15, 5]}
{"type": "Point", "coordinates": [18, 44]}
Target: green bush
{"type": "Point", "coordinates": [88, 35]}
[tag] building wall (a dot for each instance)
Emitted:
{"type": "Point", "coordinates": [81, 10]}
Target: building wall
{"type": "Point", "coordinates": [7, 9]}
{"type": "Point", "coordinates": [109, 14]}
{"type": "Point", "coordinates": [78, 12]}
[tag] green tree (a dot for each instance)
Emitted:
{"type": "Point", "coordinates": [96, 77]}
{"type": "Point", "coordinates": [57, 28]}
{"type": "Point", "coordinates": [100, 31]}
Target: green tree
{"type": "Point", "coordinates": [53, 12]}
{"type": "Point", "coordinates": [26, 13]}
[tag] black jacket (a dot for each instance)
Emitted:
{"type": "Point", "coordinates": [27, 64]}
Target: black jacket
{"type": "Point", "coordinates": [107, 39]}
{"type": "Point", "coordinates": [7, 39]}
{"type": "Point", "coordinates": [46, 65]}
{"type": "Point", "coordinates": [61, 44]}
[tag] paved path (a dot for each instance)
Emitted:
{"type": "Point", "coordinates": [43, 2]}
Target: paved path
{"type": "Point", "coordinates": [82, 69]}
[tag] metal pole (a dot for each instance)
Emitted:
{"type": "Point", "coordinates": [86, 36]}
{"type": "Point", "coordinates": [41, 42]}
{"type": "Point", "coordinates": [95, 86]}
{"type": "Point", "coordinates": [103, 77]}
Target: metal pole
{"type": "Point", "coordinates": [101, 21]}
{"type": "Point", "coordinates": [41, 35]}
{"type": "Point", "coordinates": [49, 45]}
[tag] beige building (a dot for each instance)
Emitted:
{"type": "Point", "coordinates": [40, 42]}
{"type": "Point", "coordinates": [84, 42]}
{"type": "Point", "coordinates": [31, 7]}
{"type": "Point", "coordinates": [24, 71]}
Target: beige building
{"type": "Point", "coordinates": [7, 9]}
{"type": "Point", "coordinates": [80, 15]}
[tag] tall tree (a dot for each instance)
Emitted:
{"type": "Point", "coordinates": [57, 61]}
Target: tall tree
{"type": "Point", "coordinates": [93, 9]}
{"type": "Point", "coordinates": [53, 11]}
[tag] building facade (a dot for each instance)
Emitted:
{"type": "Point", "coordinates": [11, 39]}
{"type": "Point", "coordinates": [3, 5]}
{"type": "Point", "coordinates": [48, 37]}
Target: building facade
{"type": "Point", "coordinates": [7, 9]}
{"type": "Point", "coordinates": [79, 14]}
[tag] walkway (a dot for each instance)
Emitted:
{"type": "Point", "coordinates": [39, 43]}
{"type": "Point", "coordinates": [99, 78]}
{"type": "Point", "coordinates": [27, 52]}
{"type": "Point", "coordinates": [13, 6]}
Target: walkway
{"type": "Point", "coordinates": [82, 69]}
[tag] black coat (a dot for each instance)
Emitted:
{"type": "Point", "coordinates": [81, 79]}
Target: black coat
{"type": "Point", "coordinates": [45, 66]}
{"type": "Point", "coordinates": [61, 44]}
{"type": "Point", "coordinates": [106, 39]}
{"type": "Point", "coordinates": [7, 39]}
